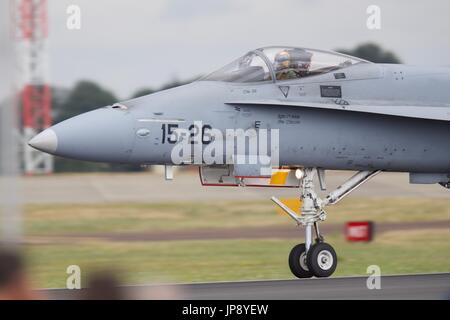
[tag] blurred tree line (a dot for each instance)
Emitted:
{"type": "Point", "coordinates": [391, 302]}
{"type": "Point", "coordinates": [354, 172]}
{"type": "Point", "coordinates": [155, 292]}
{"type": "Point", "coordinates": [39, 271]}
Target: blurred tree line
{"type": "Point", "coordinates": [372, 52]}
{"type": "Point", "coordinates": [87, 95]}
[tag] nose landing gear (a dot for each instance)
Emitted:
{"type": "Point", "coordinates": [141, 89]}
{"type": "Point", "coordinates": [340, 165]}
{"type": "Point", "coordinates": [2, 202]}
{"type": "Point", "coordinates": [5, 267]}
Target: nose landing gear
{"type": "Point", "coordinates": [297, 262]}
{"type": "Point", "coordinates": [319, 261]}
{"type": "Point", "coordinates": [322, 260]}
{"type": "Point", "coordinates": [319, 258]}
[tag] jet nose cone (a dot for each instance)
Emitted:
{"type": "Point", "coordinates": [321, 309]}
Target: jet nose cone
{"type": "Point", "coordinates": [101, 135]}
{"type": "Point", "coordinates": [46, 141]}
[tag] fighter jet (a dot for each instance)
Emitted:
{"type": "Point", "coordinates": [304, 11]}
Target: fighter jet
{"type": "Point", "coordinates": [280, 117]}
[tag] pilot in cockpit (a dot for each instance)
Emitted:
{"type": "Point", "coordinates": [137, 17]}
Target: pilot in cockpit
{"type": "Point", "coordinates": [292, 64]}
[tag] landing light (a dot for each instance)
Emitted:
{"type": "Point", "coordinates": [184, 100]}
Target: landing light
{"type": "Point", "coordinates": [299, 174]}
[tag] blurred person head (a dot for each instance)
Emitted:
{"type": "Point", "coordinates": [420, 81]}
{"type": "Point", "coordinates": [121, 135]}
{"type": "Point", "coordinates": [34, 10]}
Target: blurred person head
{"type": "Point", "coordinates": [103, 286]}
{"type": "Point", "coordinates": [14, 283]}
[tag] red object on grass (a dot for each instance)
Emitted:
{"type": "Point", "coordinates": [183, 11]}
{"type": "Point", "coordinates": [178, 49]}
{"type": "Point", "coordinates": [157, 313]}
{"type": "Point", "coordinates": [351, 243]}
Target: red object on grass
{"type": "Point", "coordinates": [361, 231]}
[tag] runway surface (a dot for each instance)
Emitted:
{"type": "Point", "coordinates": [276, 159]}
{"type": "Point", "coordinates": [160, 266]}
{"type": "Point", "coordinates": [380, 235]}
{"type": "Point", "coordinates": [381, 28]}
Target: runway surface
{"type": "Point", "coordinates": [426, 286]}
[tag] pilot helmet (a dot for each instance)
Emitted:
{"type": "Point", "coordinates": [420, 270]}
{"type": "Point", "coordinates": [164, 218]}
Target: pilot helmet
{"type": "Point", "coordinates": [283, 60]}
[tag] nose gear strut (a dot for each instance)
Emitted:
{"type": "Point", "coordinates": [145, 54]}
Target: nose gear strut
{"type": "Point", "coordinates": [318, 258]}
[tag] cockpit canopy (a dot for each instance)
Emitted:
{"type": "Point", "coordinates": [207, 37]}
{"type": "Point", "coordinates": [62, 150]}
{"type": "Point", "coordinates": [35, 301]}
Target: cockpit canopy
{"type": "Point", "coordinates": [278, 64]}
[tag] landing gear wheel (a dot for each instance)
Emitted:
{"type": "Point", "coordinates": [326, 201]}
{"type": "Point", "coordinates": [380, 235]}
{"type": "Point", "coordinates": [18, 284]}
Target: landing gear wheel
{"type": "Point", "coordinates": [297, 262]}
{"type": "Point", "coordinates": [321, 260]}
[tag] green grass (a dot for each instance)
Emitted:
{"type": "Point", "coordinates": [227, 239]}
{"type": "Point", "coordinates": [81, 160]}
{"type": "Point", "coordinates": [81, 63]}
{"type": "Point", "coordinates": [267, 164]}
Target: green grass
{"type": "Point", "coordinates": [223, 260]}
{"type": "Point", "coordinates": [63, 219]}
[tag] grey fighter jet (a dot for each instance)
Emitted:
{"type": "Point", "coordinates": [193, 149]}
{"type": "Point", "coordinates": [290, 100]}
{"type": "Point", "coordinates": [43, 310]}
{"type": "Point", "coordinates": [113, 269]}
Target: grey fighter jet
{"type": "Point", "coordinates": [318, 111]}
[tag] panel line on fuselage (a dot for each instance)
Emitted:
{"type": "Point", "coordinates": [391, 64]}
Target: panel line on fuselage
{"type": "Point", "coordinates": [162, 120]}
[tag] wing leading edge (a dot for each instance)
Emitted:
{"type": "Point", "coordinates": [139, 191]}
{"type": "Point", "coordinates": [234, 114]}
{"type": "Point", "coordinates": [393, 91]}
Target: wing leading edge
{"type": "Point", "coordinates": [420, 112]}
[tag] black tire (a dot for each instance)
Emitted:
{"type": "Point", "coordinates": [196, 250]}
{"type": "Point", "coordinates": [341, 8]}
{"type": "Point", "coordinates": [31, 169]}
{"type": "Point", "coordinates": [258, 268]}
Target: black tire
{"type": "Point", "coordinates": [297, 262]}
{"type": "Point", "coordinates": [321, 260]}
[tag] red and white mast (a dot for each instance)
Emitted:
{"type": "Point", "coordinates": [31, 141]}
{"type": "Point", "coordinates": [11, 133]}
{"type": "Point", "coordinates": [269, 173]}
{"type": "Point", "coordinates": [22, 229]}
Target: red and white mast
{"type": "Point", "coordinates": [31, 27]}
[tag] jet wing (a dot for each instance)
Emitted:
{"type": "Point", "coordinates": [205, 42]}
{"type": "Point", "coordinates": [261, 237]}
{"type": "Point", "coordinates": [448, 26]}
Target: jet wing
{"type": "Point", "coordinates": [409, 111]}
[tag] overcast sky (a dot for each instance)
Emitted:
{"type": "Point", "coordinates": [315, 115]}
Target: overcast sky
{"type": "Point", "coordinates": [129, 44]}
